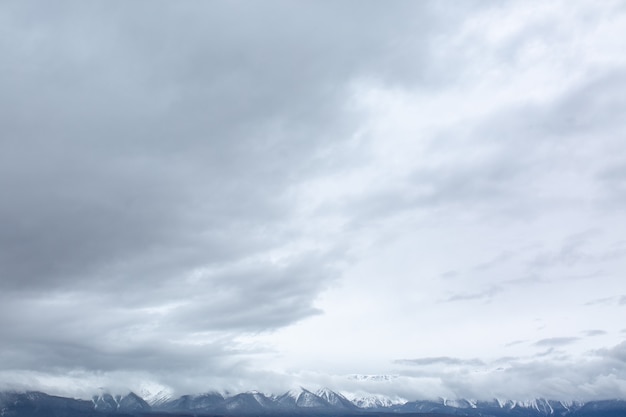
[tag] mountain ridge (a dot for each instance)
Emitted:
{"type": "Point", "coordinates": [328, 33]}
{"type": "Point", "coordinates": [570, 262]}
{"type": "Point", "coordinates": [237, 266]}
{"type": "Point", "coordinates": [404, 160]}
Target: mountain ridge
{"type": "Point", "coordinates": [294, 402]}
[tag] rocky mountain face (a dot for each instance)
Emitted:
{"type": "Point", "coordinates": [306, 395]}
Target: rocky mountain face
{"type": "Point", "coordinates": [300, 402]}
{"type": "Point", "coordinates": [37, 404]}
{"type": "Point", "coordinates": [128, 403]}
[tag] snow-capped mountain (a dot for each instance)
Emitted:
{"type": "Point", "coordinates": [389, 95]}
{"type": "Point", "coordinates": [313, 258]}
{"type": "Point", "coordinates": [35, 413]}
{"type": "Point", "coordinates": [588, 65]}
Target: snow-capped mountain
{"type": "Point", "coordinates": [190, 402]}
{"type": "Point", "coordinates": [301, 398]}
{"type": "Point", "coordinates": [130, 402]}
{"type": "Point", "coordinates": [155, 396]}
{"type": "Point", "coordinates": [375, 378]}
{"type": "Point", "coordinates": [105, 402]}
{"type": "Point", "coordinates": [496, 407]}
{"type": "Point", "coordinates": [247, 402]}
{"type": "Point", "coordinates": [375, 401]}
{"type": "Point", "coordinates": [300, 402]}
{"type": "Point", "coordinates": [335, 399]}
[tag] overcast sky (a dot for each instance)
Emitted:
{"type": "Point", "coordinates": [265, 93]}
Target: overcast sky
{"type": "Point", "coordinates": [408, 198]}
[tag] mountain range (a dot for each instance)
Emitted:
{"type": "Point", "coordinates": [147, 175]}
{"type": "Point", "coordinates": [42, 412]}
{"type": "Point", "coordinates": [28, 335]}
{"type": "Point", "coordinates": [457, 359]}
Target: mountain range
{"type": "Point", "coordinates": [299, 402]}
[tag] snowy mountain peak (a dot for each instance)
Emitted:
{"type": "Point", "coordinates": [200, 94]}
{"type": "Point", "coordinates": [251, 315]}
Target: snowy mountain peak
{"type": "Point", "coordinates": [458, 403]}
{"type": "Point", "coordinates": [129, 402]}
{"type": "Point", "coordinates": [133, 402]}
{"type": "Point", "coordinates": [325, 392]}
{"type": "Point", "coordinates": [375, 401]}
{"type": "Point", "coordinates": [335, 399]}
{"type": "Point", "coordinates": [105, 402]}
{"type": "Point", "coordinates": [295, 393]}
{"type": "Point", "coordinates": [302, 398]}
{"type": "Point", "coordinates": [374, 378]}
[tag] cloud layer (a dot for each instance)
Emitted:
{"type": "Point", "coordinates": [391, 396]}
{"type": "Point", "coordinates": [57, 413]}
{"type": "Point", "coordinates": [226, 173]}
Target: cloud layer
{"type": "Point", "coordinates": [203, 196]}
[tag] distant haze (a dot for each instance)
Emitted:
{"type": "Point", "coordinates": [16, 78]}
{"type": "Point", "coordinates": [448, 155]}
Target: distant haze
{"type": "Point", "coordinates": [412, 198]}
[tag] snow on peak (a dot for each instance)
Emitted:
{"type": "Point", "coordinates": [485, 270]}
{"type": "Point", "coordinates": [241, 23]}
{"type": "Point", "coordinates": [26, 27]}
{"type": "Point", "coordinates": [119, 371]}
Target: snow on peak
{"type": "Point", "coordinates": [374, 378]}
{"type": "Point", "coordinates": [458, 403]}
{"type": "Point", "coordinates": [328, 395]}
{"type": "Point", "coordinates": [301, 397]}
{"type": "Point", "coordinates": [155, 394]}
{"type": "Point", "coordinates": [335, 399]}
{"type": "Point", "coordinates": [374, 400]}
{"type": "Point", "coordinates": [295, 393]}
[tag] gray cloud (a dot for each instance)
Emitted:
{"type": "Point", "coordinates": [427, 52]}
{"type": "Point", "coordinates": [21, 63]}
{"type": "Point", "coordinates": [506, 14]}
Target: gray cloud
{"type": "Point", "coordinates": [449, 274]}
{"type": "Point", "coordinates": [614, 353]}
{"type": "Point", "coordinates": [500, 258]}
{"type": "Point", "coordinates": [595, 332]}
{"type": "Point", "coordinates": [556, 341]}
{"type": "Point", "coordinates": [601, 301]}
{"type": "Point", "coordinates": [439, 360]}
{"type": "Point", "coordinates": [548, 352]}
{"type": "Point", "coordinates": [486, 294]}
{"type": "Point", "coordinates": [615, 300]}
{"type": "Point", "coordinates": [549, 375]}
{"type": "Point", "coordinates": [149, 158]}
{"type": "Point", "coordinates": [494, 181]}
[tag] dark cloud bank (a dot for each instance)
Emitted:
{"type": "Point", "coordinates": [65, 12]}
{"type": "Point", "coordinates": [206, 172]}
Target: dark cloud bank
{"type": "Point", "coordinates": [147, 156]}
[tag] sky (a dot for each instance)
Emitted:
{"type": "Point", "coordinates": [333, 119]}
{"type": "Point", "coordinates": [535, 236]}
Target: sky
{"type": "Point", "coordinates": [414, 199]}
